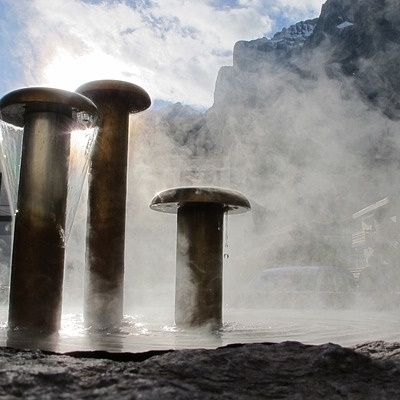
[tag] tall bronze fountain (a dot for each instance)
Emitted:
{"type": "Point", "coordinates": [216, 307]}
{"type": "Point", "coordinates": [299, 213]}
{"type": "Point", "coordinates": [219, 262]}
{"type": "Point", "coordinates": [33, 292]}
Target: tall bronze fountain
{"type": "Point", "coordinates": [105, 251]}
{"type": "Point", "coordinates": [37, 268]}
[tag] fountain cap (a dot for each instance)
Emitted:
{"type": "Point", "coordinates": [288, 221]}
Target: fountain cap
{"type": "Point", "coordinates": [13, 104]}
{"type": "Point", "coordinates": [135, 98]}
{"type": "Point", "coordinates": [170, 200]}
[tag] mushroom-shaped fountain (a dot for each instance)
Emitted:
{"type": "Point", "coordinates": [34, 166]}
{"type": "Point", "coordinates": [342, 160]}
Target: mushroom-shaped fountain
{"type": "Point", "coordinates": [105, 249]}
{"type": "Point", "coordinates": [37, 268]}
{"type": "Point", "coordinates": [200, 215]}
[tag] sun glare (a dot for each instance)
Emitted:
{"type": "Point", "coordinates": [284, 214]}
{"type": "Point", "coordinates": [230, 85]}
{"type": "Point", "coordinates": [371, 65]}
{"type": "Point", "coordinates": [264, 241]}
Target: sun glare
{"type": "Point", "coordinates": [68, 71]}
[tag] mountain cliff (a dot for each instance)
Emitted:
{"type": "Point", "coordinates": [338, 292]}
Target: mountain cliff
{"type": "Point", "coordinates": [356, 39]}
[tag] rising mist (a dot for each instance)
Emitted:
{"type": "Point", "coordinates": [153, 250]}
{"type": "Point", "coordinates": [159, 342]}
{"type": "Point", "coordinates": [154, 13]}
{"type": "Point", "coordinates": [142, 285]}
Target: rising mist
{"type": "Point", "coordinates": [307, 129]}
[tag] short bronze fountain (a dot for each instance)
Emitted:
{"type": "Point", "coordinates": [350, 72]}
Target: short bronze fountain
{"type": "Point", "coordinates": [199, 249]}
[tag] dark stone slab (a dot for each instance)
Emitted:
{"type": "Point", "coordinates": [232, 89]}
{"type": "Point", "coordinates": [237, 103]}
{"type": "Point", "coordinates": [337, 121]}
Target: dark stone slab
{"type": "Point", "coordinates": [288, 370]}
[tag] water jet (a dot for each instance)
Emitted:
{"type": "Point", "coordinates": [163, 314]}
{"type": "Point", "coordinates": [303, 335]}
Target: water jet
{"type": "Point", "coordinates": [48, 117]}
{"type": "Point", "coordinates": [105, 247]}
{"type": "Point", "coordinates": [200, 212]}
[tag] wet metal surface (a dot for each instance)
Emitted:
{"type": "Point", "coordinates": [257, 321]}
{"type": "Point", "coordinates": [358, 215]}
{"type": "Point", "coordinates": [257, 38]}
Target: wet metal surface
{"type": "Point", "coordinates": [171, 199]}
{"type": "Point", "coordinates": [13, 105]}
{"type": "Point", "coordinates": [38, 249]}
{"type": "Point", "coordinates": [200, 212]}
{"type": "Point", "coordinates": [198, 297]}
{"type": "Point", "coordinates": [105, 250]}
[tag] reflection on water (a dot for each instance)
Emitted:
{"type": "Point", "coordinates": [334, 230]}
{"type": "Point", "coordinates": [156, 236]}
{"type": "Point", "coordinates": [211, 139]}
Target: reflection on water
{"type": "Point", "coordinates": [151, 330]}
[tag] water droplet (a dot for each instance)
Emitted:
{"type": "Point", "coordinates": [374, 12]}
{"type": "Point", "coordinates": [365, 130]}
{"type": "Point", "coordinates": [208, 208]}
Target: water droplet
{"type": "Point", "coordinates": [226, 230]}
{"type": "Point", "coordinates": [226, 255]}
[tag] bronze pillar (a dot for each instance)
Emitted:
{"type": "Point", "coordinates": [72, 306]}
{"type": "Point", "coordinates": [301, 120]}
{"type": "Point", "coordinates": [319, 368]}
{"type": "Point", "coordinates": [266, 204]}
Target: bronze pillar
{"type": "Point", "coordinates": [105, 246]}
{"type": "Point", "coordinates": [199, 260]}
{"type": "Point", "coordinates": [37, 267]}
{"type": "Point", "coordinates": [198, 295]}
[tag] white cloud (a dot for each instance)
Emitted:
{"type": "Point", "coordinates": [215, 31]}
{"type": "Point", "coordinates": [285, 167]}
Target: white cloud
{"type": "Point", "coordinates": [172, 48]}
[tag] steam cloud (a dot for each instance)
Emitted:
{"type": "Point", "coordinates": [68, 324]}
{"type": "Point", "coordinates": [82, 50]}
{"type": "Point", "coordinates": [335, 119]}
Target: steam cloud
{"type": "Point", "coordinates": [301, 143]}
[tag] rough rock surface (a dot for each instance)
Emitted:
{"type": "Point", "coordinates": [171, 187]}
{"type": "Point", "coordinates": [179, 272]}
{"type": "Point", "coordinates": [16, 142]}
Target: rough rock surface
{"type": "Point", "coordinates": [358, 40]}
{"type": "Point", "coordinates": [287, 370]}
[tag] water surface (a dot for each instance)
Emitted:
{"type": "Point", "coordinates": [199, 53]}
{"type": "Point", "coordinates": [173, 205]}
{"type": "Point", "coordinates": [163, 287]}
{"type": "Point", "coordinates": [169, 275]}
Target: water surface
{"type": "Point", "coordinates": [154, 330]}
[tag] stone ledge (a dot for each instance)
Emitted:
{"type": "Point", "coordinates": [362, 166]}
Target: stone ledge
{"type": "Point", "coordinates": [287, 370]}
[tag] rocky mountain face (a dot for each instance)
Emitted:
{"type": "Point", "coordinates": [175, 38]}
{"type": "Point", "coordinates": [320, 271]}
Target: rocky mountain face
{"type": "Point", "coordinates": [277, 49]}
{"type": "Point", "coordinates": [305, 123]}
{"type": "Point", "coordinates": [359, 39]}
{"type": "Point", "coordinates": [364, 37]}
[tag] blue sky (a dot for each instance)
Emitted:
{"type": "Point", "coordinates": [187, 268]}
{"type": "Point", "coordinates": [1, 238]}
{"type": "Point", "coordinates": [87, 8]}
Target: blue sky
{"type": "Point", "coordinates": [172, 48]}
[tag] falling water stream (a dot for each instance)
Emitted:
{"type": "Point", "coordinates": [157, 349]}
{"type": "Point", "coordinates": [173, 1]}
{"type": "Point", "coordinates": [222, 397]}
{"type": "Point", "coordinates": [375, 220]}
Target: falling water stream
{"type": "Point", "coordinates": [81, 144]}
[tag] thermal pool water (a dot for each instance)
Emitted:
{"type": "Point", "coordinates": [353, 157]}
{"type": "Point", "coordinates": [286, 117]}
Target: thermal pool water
{"type": "Point", "coordinates": [154, 330]}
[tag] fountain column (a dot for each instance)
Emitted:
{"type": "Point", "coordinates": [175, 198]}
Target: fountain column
{"type": "Point", "coordinates": [37, 266]}
{"type": "Point", "coordinates": [105, 249]}
{"type": "Point", "coordinates": [199, 248]}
